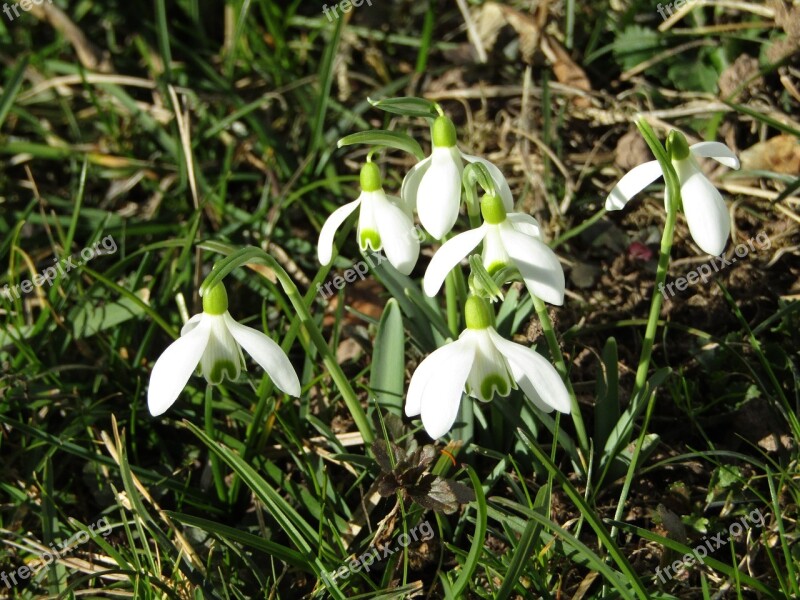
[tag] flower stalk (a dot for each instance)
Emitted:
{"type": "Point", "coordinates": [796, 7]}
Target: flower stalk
{"type": "Point", "coordinates": [561, 367]}
{"type": "Point", "coordinates": [673, 194]}
{"type": "Point", "coordinates": [309, 333]}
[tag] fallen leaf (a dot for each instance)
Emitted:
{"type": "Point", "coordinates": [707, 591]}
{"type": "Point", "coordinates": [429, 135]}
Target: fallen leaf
{"type": "Point", "coordinates": [780, 154]}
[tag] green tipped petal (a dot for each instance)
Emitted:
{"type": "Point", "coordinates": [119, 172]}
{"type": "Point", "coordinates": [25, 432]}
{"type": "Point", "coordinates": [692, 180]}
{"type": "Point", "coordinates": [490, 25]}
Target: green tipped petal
{"type": "Point", "coordinates": [369, 238]}
{"type": "Point", "coordinates": [215, 300]}
{"type": "Point", "coordinates": [444, 133]}
{"type": "Point", "coordinates": [494, 382]}
{"type": "Point", "coordinates": [495, 267]}
{"type": "Point", "coordinates": [220, 370]}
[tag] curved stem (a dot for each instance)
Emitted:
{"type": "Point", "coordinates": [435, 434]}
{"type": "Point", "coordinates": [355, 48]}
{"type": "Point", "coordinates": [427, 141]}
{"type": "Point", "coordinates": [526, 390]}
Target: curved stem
{"type": "Point", "coordinates": [673, 193]}
{"type": "Point", "coordinates": [216, 468]}
{"type": "Point", "coordinates": [561, 367]}
{"type": "Point", "coordinates": [310, 333]}
{"type": "Point", "coordinates": [674, 196]}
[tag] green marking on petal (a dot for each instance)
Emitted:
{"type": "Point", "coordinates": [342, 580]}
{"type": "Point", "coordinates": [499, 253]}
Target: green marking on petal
{"type": "Point", "coordinates": [444, 133]}
{"type": "Point", "coordinates": [370, 177]}
{"type": "Point", "coordinates": [677, 146]}
{"type": "Point", "coordinates": [369, 238]}
{"type": "Point", "coordinates": [215, 300]}
{"type": "Point", "coordinates": [221, 370]}
{"type": "Point", "coordinates": [477, 313]}
{"type": "Point", "coordinates": [492, 209]}
{"type": "Point", "coordinates": [496, 266]}
{"type": "Point", "coordinates": [494, 382]}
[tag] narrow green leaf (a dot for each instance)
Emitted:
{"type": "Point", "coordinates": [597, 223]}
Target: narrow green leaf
{"type": "Point", "coordinates": [607, 407]}
{"type": "Point", "coordinates": [11, 88]}
{"type": "Point", "coordinates": [384, 137]}
{"type": "Point", "coordinates": [388, 359]}
{"type": "Point", "coordinates": [407, 106]}
{"type": "Point", "coordinates": [591, 518]}
{"type": "Point", "coordinates": [302, 534]}
{"type": "Point", "coordinates": [478, 538]}
{"type": "Point", "coordinates": [231, 534]}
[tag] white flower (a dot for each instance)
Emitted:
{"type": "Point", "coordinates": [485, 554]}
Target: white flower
{"type": "Point", "coordinates": [508, 239]}
{"type": "Point", "coordinates": [383, 223]}
{"type": "Point", "coordinates": [433, 186]}
{"type": "Point", "coordinates": [703, 205]}
{"type": "Point", "coordinates": [214, 340]}
{"type": "Point", "coordinates": [482, 362]}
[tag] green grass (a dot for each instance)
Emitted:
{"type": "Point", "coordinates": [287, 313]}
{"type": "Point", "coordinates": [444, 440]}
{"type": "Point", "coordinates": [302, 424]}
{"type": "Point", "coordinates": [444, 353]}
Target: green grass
{"type": "Point", "coordinates": [248, 493]}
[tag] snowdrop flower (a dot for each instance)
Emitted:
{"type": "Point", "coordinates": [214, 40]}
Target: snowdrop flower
{"type": "Point", "coordinates": [383, 223]}
{"type": "Point", "coordinates": [214, 340]}
{"type": "Point", "coordinates": [703, 205]}
{"type": "Point", "coordinates": [508, 239]}
{"type": "Point", "coordinates": [482, 362]}
{"type": "Point", "coordinates": [433, 186]}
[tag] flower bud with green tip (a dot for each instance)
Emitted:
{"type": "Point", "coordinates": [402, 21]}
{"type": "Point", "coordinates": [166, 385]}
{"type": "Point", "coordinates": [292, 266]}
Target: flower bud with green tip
{"type": "Point", "coordinates": [509, 239]}
{"type": "Point", "coordinates": [384, 223]}
{"type": "Point", "coordinates": [433, 186]}
{"type": "Point", "coordinates": [705, 210]}
{"type": "Point", "coordinates": [214, 341]}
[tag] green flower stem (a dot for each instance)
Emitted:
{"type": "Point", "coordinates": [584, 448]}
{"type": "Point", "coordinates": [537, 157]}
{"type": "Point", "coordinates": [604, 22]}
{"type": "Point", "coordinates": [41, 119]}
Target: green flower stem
{"type": "Point", "coordinates": [310, 333]}
{"type": "Point", "coordinates": [561, 367]}
{"type": "Point", "coordinates": [216, 468]}
{"type": "Point", "coordinates": [674, 194]}
{"type": "Point", "coordinates": [257, 434]}
{"type": "Point", "coordinates": [451, 296]}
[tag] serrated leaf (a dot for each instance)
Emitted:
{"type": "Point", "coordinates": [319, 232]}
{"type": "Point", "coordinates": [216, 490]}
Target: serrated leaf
{"type": "Point", "coordinates": [635, 45]}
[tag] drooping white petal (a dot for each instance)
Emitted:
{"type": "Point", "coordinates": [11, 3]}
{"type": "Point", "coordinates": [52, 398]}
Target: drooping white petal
{"type": "Point", "coordinates": [448, 256]}
{"type": "Point", "coordinates": [174, 367]}
{"type": "Point", "coordinates": [410, 187]}
{"type": "Point", "coordinates": [490, 372]}
{"type": "Point", "coordinates": [525, 223]}
{"type": "Point", "coordinates": [633, 182]}
{"type": "Point", "coordinates": [494, 252]}
{"type": "Point", "coordinates": [439, 193]}
{"type": "Point", "coordinates": [719, 152]}
{"type": "Point", "coordinates": [397, 234]}
{"type": "Point", "coordinates": [191, 324]}
{"type": "Point", "coordinates": [537, 264]}
{"type": "Point", "coordinates": [431, 368]}
{"type": "Point", "coordinates": [441, 397]}
{"type": "Point", "coordinates": [267, 354]}
{"type": "Point", "coordinates": [534, 374]}
{"type": "Point", "coordinates": [326, 235]}
{"type": "Point", "coordinates": [498, 178]}
{"type": "Point", "coordinates": [704, 208]}
{"type": "Point", "coordinates": [398, 201]}
{"type": "Point", "coordinates": [223, 357]}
